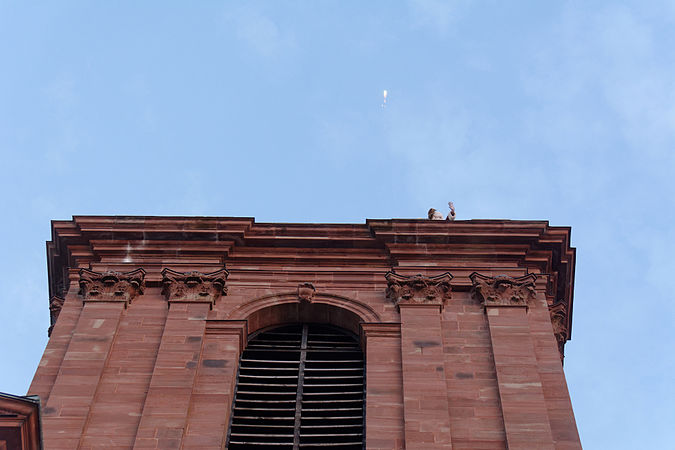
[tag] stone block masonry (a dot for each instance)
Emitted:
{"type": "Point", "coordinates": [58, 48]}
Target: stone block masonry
{"type": "Point", "coordinates": [462, 324]}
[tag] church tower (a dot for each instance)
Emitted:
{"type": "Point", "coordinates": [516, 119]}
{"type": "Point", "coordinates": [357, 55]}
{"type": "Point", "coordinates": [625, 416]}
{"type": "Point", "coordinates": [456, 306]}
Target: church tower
{"type": "Point", "coordinates": [213, 332]}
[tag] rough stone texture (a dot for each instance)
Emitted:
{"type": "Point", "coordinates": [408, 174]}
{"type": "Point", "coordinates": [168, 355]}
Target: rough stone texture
{"type": "Point", "coordinates": [158, 370]}
{"type": "Point", "coordinates": [167, 404]}
{"type": "Point", "coordinates": [214, 386]}
{"type": "Point", "coordinates": [384, 390]}
{"type": "Point", "coordinates": [427, 423]}
{"type": "Point", "coordinates": [521, 394]}
{"type": "Point", "coordinates": [61, 334]}
{"type": "Point", "coordinates": [118, 405]}
{"type": "Point", "coordinates": [71, 399]}
{"type": "Point", "coordinates": [473, 394]}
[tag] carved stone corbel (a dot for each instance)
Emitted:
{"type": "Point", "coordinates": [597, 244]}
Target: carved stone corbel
{"type": "Point", "coordinates": [111, 286]}
{"type": "Point", "coordinates": [194, 287]}
{"type": "Point", "coordinates": [418, 289]}
{"type": "Point", "coordinates": [558, 313]}
{"type": "Point", "coordinates": [306, 292]}
{"type": "Point", "coordinates": [503, 290]}
{"type": "Point", "coordinates": [55, 306]}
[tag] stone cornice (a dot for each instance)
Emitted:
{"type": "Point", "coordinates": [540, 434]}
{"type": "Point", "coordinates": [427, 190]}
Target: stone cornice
{"type": "Point", "coordinates": [365, 251]}
{"type": "Point", "coordinates": [503, 290]}
{"type": "Point", "coordinates": [194, 287]}
{"type": "Point", "coordinates": [418, 289]}
{"type": "Point", "coordinates": [111, 286]}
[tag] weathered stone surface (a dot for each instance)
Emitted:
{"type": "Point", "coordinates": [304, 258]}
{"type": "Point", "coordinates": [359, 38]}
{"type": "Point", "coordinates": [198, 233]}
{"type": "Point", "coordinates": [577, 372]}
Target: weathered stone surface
{"type": "Point", "coordinates": [449, 363]}
{"type": "Point", "coordinates": [306, 292]}
{"type": "Point", "coordinates": [55, 306]}
{"type": "Point", "coordinates": [503, 290]}
{"type": "Point", "coordinates": [559, 321]}
{"type": "Point", "coordinates": [418, 289]}
{"type": "Point", "coordinates": [111, 286]}
{"type": "Point", "coordinates": [194, 286]}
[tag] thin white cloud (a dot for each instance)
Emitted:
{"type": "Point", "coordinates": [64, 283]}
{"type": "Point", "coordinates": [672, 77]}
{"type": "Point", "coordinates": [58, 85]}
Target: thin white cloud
{"type": "Point", "coordinates": [449, 154]}
{"type": "Point", "coordinates": [259, 32]}
{"type": "Point", "coordinates": [437, 15]}
{"type": "Point", "coordinates": [612, 57]}
{"type": "Point", "coordinates": [603, 104]}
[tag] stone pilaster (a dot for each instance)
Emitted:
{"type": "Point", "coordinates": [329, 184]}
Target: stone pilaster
{"type": "Point", "coordinates": [190, 296]}
{"type": "Point", "coordinates": [105, 295]}
{"type": "Point", "coordinates": [384, 387]}
{"type": "Point", "coordinates": [420, 300]}
{"type": "Point", "coordinates": [213, 392]}
{"type": "Point", "coordinates": [523, 404]}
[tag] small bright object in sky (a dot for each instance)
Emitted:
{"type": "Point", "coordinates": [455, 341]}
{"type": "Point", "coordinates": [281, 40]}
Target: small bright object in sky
{"type": "Point", "coordinates": [384, 95]}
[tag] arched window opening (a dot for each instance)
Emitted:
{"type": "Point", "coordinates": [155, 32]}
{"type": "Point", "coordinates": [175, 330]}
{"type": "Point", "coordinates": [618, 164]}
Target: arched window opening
{"type": "Point", "coordinates": [299, 387]}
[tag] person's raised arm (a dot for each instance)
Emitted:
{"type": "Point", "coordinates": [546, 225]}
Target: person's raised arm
{"type": "Point", "coordinates": [451, 215]}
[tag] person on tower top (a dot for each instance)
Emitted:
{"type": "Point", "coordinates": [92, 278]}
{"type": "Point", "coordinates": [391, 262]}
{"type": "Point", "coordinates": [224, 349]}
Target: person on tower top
{"type": "Point", "coordinates": [437, 215]}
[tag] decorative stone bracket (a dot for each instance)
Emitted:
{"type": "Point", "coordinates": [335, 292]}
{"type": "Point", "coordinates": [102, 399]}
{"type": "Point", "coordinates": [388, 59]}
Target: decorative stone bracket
{"type": "Point", "coordinates": [306, 292]}
{"type": "Point", "coordinates": [55, 306]}
{"type": "Point", "coordinates": [503, 290]}
{"type": "Point", "coordinates": [194, 287]}
{"type": "Point", "coordinates": [418, 289]}
{"type": "Point", "coordinates": [558, 313]}
{"type": "Point", "coordinates": [111, 286]}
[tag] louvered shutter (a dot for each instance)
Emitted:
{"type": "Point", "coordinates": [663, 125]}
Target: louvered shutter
{"type": "Point", "coordinates": [299, 387]}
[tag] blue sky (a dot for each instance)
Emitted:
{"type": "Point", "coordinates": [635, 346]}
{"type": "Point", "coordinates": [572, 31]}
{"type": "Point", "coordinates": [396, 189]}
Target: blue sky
{"type": "Point", "coordinates": [563, 111]}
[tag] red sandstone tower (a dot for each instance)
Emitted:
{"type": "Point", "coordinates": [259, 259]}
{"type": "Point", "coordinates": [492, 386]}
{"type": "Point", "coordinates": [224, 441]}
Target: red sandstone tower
{"type": "Point", "coordinates": [175, 332]}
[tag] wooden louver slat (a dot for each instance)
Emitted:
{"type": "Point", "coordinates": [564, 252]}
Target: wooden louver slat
{"type": "Point", "coordinates": [307, 393]}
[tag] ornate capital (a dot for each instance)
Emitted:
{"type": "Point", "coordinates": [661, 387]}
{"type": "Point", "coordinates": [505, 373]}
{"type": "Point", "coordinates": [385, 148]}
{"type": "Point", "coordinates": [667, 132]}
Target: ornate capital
{"type": "Point", "coordinates": [194, 287]}
{"type": "Point", "coordinates": [306, 292]}
{"type": "Point", "coordinates": [55, 305]}
{"type": "Point", "coordinates": [418, 289]}
{"type": "Point", "coordinates": [503, 290]}
{"type": "Point", "coordinates": [111, 286]}
{"type": "Point", "coordinates": [558, 313]}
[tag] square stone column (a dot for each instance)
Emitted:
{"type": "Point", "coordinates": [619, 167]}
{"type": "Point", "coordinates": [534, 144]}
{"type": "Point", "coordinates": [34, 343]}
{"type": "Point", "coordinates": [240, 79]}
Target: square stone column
{"type": "Point", "coordinates": [105, 296]}
{"type": "Point", "coordinates": [384, 386]}
{"type": "Point", "coordinates": [190, 297]}
{"type": "Point", "coordinates": [213, 392]}
{"type": "Point", "coordinates": [425, 398]}
{"type": "Point", "coordinates": [524, 408]}
{"type": "Point", "coordinates": [68, 311]}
